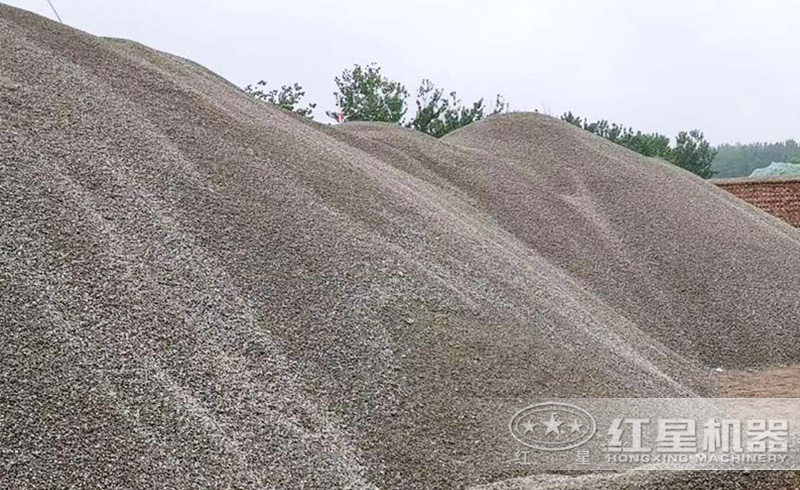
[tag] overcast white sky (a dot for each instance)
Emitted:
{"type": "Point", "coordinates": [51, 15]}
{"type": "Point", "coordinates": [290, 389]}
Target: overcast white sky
{"type": "Point", "coordinates": [730, 68]}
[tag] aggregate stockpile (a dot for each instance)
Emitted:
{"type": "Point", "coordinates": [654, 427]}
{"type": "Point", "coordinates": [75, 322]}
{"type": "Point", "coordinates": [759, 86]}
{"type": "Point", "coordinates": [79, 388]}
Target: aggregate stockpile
{"type": "Point", "coordinates": [197, 289]}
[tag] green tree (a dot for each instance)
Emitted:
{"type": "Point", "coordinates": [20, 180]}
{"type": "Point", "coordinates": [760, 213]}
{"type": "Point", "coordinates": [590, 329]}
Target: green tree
{"type": "Point", "coordinates": [438, 115]}
{"type": "Point", "coordinates": [366, 95]}
{"type": "Point", "coordinates": [500, 105]}
{"type": "Point", "coordinates": [431, 107]}
{"type": "Point", "coordinates": [648, 144]}
{"type": "Point", "coordinates": [691, 150]}
{"type": "Point", "coordinates": [287, 97]}
{"type": "Point", "coordinates": [572, 119]}
{"type": "Point", "coordinates": [693, 153]}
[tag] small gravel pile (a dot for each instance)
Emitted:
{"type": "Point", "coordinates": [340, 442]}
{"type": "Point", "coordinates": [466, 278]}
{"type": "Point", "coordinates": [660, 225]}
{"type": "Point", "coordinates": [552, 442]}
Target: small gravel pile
{"type": "Point", "coordinates": [200, 290]}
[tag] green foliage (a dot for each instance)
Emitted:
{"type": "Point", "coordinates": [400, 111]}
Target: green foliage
{"type": "Point", "coordinates": [438, 115]}
{"type": "Point", "coordinates": [459, 116]}
{"type": "Point", "coordinates": [500, 105]}
{"type": "Point", "coordinates": [648, 144]}
{"type": "Point", "coordinates": [572, 119]}
{"type": "Point", "coordinates": [691, 152]}
{"type": "Point", "coordinates": [431, 108]}
{"type": "Point", "coordinates": [739, 160]}
{"type": "Point", "coordinates": [288, 97]}
{"type": "Point", "coordinates": [366, 95]}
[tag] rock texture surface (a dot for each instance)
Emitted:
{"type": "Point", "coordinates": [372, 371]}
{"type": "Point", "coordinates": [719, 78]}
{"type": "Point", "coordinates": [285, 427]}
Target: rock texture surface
{"type": "Point", "coordinates": [200, 290]}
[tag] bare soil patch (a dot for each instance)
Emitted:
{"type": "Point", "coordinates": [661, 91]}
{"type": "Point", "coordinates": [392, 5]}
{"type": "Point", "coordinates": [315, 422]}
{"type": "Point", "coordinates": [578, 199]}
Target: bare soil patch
{"type": "Point", "coordinates": [779, 382]}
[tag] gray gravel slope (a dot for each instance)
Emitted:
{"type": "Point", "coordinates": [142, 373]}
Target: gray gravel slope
{"type": "Point", "coordinates": [699, 270]}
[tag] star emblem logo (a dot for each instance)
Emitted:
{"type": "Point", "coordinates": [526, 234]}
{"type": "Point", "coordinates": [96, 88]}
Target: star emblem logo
{"type": "Point", "coordinates": [528, 425]}
{"type": "Point", "coordinates": [552, 425]}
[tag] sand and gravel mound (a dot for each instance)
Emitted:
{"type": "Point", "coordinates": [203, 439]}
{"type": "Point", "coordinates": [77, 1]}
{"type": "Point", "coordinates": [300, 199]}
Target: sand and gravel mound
{"type": "Point", "coordinates": [200, 290]}
{"type": "Point", "coordinates": [688, 264]}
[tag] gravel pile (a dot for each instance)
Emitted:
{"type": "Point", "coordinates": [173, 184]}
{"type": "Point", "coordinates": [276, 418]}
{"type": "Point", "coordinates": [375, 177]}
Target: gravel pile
{"type": "Point", "coordinates": [690, 265]}
{"type": "Point", "coordinates": [200, 290]}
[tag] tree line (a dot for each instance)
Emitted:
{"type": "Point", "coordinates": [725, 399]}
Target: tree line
{"type": "Point", "coordinates": [364, 93]}
{"type": "Point", "coordinates": [739, 160]}
{"type": "Point", "coordinates": [691, 150]}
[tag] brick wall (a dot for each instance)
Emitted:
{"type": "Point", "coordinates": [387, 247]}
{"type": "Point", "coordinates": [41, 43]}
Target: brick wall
{"type": "Point", "coordinates": [777, 196]}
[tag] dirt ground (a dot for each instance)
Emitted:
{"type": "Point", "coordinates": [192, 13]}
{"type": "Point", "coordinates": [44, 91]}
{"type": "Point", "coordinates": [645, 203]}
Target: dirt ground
{"type": "Point", "coordinates": [778, 382]}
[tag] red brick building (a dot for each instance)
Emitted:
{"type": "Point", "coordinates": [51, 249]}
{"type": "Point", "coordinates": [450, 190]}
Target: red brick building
{"type": "Point", "coordinates": [779, 196]}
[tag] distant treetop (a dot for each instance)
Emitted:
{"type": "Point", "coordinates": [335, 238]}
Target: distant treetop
{"type": "Point", "coordinates": [288, 97]}
{"type": "Point", "coordinates": [691, 150]}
